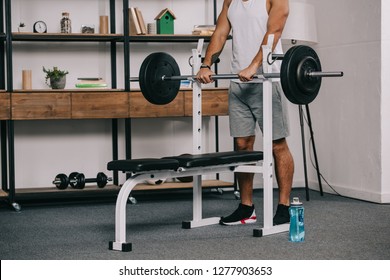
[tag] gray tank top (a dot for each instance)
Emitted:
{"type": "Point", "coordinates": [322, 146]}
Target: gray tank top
{"type": "Point", "coordinates": [248, 20]}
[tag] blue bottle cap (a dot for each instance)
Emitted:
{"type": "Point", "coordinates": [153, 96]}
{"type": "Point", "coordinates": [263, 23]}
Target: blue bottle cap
{"type": "Point", "coordinates": [296, 201]}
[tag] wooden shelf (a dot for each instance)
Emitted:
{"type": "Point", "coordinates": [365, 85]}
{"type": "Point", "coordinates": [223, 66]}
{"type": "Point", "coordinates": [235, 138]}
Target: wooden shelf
{"type": "Point", "coordinates": [104, 104]}
{"type": "Point", "coordinates": [41, 105]}
{"type": "Point", "coordinates": [100, 105]}
{"type": "Point", "coordinates": [214, 102]}
{"type": "Point", "coordinates": [139, 107]}
{"type": "Point", "coordinates": [174, 38]}
{"type": "Point", "coordinates": [107, 191]}
{"type": "Point", "coordinates": [51, 193]}
{"type": "Point", "coordinates": [88, 188]}
{"type": "Point", "coordinates": [75, 37]}
{"type": "Point", "coordinates": [5, 105]}
{"type": "Point", "coordinates": [80, 37]}
{"type": "Point", "coordinates": [3, 193]}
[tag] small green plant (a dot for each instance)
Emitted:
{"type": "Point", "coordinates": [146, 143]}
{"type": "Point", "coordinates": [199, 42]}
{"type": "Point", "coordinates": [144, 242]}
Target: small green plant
{"type": "Point", "coordinates": [21, 27]}
{"type": "Point", "coordinates": [53, 75]}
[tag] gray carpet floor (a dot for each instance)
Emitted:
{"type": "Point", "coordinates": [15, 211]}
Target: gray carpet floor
{"type": "Point", "coordinates": [337, 228]}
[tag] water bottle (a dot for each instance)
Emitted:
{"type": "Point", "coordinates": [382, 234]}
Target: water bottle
{"type": "Point", "coordinates": [297, 226]}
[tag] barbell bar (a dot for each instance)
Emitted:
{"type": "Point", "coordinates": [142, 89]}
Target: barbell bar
{"type": "Point", "coordinates": [300, 76]}
{"type": "Point", "coordinates": [235, 76]}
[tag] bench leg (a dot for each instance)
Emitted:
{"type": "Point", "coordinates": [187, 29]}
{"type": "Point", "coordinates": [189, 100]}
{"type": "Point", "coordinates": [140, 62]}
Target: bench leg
{"type": "Point", "coordinates": [198, 221]}
{"type": "Point", "coordinates": [268, 227]}
{"type": "Point", "coordinates": [120, 217]}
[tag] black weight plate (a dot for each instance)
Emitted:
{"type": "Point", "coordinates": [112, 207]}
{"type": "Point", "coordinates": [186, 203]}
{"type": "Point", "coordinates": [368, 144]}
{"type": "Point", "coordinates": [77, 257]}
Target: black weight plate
{"type": "Point", "coordinates": [101, 180]}
{"type": "Point", "coordinates": [298, 87]}
{"type": "Point", "coordinates": [284, 78]}
{"type": "Point", "coordinates": [153, 88]}
{"type": "Point", "coordinates": [72, 179]}
{"type": "Point", "coordinates": [80, 181]}
{"type": "Point", "coordinates": [62, 181]}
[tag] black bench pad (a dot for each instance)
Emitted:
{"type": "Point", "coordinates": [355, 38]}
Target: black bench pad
{"type": "Point", "coordinates": [186, 161]}
{"type": "Point", "coordinates": [143, 164]}
{"type": "Point", "coordinates": [219, 158]}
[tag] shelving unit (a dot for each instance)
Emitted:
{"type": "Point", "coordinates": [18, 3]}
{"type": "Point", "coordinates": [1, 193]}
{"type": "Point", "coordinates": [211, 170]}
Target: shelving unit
{"type": "Point", "coordinates": [65, 104]}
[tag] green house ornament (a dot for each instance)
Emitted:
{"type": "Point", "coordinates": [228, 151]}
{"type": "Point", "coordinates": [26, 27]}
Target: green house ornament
{"type": "Point", "coordinates": [165, 22]}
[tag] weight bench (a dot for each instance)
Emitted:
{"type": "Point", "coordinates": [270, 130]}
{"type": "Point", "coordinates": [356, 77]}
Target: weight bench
{"type": "Point", "coordinates": [181, 166]}
{"type": "Point", "coordinates": [199, 164]}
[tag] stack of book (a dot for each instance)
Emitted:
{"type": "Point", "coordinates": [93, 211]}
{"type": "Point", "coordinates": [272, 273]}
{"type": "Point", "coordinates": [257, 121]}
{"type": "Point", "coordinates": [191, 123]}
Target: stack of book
{"type": "Point", "coordinates": [203, 30]}
{"type": "Point", "coordinates": [136, 22]}
{"type": "Point", "coordinates": [90, 83]}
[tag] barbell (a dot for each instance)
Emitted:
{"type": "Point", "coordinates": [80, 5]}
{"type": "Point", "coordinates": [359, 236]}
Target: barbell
{"type": "Point", "coordinates": [300, 76]}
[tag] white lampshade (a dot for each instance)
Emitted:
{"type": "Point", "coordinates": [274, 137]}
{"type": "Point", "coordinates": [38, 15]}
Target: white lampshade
{"type": "Point", "coordinates": [301, 24]}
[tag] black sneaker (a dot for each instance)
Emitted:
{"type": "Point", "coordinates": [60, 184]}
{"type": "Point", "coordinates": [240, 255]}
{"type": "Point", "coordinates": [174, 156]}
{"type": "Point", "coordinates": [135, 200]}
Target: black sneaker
{"type": "Point", "coordinates": [282, 215]}
{"type": "Point", "coordinates": [244, 214]}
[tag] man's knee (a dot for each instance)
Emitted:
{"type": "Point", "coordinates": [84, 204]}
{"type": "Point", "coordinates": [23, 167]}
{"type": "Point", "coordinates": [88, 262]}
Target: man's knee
{"type": "Point", "coordinates": [280, 146]}
{"type": "Point", "coordinates": [244, 143]}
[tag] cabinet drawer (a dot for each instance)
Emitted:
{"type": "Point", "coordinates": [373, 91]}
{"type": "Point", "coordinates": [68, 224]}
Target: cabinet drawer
{"type": "Point", "coordinates": [40, 106]}
{"type": "Point", "coordinates": [141, 108]}
{"type": "Point", "coordinates": [102, 105]}
{"type": "Point", "coordinates": [5, 106]}
{"type": "Point", "coordinates": [214, 102]}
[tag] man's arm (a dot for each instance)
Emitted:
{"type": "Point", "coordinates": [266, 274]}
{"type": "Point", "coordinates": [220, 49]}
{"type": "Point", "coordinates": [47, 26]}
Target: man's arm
{"type": "Point", "coordinates": [277, 15]}
{"type": "Point", "coordinates": [217, 42]}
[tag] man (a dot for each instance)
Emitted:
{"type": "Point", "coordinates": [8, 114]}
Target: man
{"type": "Point", "coordinates": [251, 21]}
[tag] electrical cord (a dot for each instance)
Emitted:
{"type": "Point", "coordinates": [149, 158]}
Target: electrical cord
{"type": "Point", "coordinates": [311, 159]}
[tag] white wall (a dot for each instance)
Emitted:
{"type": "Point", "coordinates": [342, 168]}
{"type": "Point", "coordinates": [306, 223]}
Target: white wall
{"type": "Point", "coordinates": [385, 103]}
{"type": "Point", "coordinates": [348, 116]}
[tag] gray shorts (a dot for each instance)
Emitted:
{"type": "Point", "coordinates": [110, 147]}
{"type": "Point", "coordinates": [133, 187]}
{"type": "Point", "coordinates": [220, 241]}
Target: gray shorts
{"type": "Point", "coordinates": [246, 108]}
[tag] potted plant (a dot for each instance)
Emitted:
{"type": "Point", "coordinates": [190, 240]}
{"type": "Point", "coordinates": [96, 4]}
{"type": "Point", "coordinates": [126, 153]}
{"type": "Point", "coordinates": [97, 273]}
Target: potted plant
{"type": "Point", "coordinates": [22, 27]}
{"type": "Point", "coordinates": [57, 78]}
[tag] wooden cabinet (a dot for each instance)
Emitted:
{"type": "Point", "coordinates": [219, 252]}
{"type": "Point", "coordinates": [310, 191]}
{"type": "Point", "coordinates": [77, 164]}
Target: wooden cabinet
{"type": "Point", "coordinates": [214, 102]}
{"type": "Point", "coordinates": [99, 105]}
{"type": "Point", "coordinates": [40, 105]}
{"type": "Point", "coordinates": [103, 104]}
{"type": "Point", "coordinates": [139, 107]}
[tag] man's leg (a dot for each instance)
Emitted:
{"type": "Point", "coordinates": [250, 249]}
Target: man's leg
{"type": "Point", "coordinates": [245, 213]}
{"type": "Point", "coordinates": [284, 171]}
{"type": "Point", "coordinates": [245, 180]}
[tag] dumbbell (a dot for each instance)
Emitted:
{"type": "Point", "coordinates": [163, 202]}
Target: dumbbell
{"type": "Point", "coordinates": [78, 180]}
{"type": "Point", "coordinates": [61, 181]}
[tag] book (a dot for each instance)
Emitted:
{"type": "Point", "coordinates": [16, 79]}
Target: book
{"type": "Point", "coordinates": [203, 30]}
{"type": "Point", "coordinates": [141, 21]}
{"type": "Point", "coordinates": [134, 27]}
{"type": "Point", "coordinates": [90, 83]}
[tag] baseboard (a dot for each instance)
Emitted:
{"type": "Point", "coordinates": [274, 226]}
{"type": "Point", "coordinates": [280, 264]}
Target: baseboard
{"type": "Point", "coordinates": [370, 196]}
{"type": "Point", "coordinates": [365, 195]}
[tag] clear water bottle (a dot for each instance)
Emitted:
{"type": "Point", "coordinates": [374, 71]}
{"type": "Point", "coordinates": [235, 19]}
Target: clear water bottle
{"type": "Point", "coordinates": [297, 226]}
{"type": "Point", "coordinates": [66, 24]}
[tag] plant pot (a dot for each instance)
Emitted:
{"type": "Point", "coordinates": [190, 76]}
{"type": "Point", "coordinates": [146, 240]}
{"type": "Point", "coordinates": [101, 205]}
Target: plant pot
{"type": "Point", "coordinates": [58, 83]}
